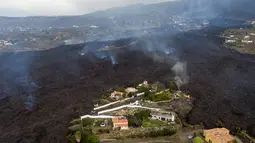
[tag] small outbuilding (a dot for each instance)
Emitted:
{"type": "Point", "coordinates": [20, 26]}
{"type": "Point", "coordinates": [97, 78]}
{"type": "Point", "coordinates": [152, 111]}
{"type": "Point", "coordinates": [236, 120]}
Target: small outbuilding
{"type": "Point", "coordinates": [218, 135]}
{"type": "Point", "coordinates": [130, 90]}
{"type": "Point", "coordinates": [116, 95]}
{"type": "Point", "coordinates": [169, 117]}
{"type": "Point", "coordinates": [120, 122]}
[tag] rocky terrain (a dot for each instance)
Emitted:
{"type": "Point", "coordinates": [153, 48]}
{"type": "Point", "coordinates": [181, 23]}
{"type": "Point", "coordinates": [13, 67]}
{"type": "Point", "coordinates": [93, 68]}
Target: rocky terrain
{"type": "Point", "coordinates": [42, 91]}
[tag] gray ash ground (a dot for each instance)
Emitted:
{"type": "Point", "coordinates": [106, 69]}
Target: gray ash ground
{"type": "Point", "coordinates": [42, 91]}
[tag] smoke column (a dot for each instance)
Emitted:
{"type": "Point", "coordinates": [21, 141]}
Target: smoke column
{"type": "Point", "coordinates": [181, 78]}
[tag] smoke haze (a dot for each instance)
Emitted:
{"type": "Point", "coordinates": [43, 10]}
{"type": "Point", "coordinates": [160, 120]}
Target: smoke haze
{"type": "Point", "coordinates": [64, 7]}
{"type": "Point", "coordinates": [181, 77]}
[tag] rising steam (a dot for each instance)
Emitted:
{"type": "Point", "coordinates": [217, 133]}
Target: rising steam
{"type": "Point", "coordinates": [181, 78]}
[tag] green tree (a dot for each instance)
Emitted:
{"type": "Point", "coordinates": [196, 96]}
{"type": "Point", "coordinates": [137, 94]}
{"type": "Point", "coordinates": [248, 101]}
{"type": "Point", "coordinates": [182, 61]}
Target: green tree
{"type": "Point", "coordinates": [87, 122]}
{"type": "Point", "coordinates": [198, 140]}
{"type": "Point", "coordinates": [142, 115]}
{"type": "Point", "coordinates": [131, 122]}
{"type": "Point", "coordinates": [71, 138]}
{"type": "Point", "coordinates": [92, 139]}
{"type": "Point", "coordinates": [130, 94]}
{"type": "Point", "coordinates": [78, 136]}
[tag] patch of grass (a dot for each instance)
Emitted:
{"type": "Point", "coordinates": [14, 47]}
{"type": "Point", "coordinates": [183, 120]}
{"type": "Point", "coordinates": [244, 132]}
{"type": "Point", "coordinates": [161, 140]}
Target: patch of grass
{"type": "Point", "coordinates": [153, 123]}
{"type": "Point", "coordinates": [159, 96]}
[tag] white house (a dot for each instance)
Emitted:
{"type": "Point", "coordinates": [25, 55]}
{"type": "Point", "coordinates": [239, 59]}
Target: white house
{"type": "Point", "coordinates": [116, 95]}
{"type": "Point", "coordinates": [163, 116]}
{"type": "Point", "coordinates": [230, 41]}
{"type": "Point", "coordinates": [120, 122]}
{"type": "Point", "coordinates": [247, 37]}
{"type": "Point", "coordinates": [130, 90]}
{"type": "Point", "coordinates": [247, 41]}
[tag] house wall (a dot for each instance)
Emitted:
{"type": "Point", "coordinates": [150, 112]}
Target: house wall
{"type": "Point", "coordinates": [121, 125]}
{"type": "Point", "coordinates": [156, 117]}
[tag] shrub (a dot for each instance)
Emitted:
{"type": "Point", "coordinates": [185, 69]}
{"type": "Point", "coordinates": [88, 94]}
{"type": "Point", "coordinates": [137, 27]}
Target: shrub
{"type": "Point", "coordinates": [142, 115]}
{"type": "Point", "coordinates": [198, 140]}
{"type": "Point", "coordinates": [71, 138]}
{"type": "Point", "coordinates": [75, 121]}
{"type": "Point", "coordinates": [78, 136]}
{"type": "Point", "coordinates": [131, 122]}
{"type": "Point", "coordinates": [121, 89]}
{"type": "Point", "coordinates": [89, 138]}
{"type": "Point", "coordinates": [162, 132]}
{"type": "Point", "coordinates": [87, 122]}
{"type": "Point", "coordinates": [130, 94]}
{"type": "Point", "coordinates": [98, 123]}
{"type": "Point", "coordinates": [75, 128]}
{"type": "Point", "coordinates": [104, 131]}
{"type": "Point", "coordinates": [143, 89]}
{"type": "Point", "coordinates": [92, 139]}
{"type": "Point", "coordinates": [219, 124]}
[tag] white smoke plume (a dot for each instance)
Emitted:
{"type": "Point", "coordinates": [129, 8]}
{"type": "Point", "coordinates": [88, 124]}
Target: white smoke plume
{"type": "Point", "coordinates": [73, 41]}
{"type": "Point", "coordinates": [181, 77]}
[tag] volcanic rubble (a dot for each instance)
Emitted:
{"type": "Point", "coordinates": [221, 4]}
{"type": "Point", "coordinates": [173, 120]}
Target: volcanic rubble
{"type": "Point", "coordinates": [41, 91]}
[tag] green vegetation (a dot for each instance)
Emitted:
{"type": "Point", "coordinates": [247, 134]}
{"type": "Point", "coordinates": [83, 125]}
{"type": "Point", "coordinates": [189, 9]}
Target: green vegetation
{"type": "Point", "coordinates": [71, 138]}
{"type": "Point", "coordinates": [91, 139]}
{"type": "Point", "coordinates": [103, 131]}
{"type": "Point", "coordinates": [142, 115]}
{"type": "Point", "coordinates": [87, 122]}
{"type": "Point", "coordinates": [143, 89]}
{"type": "Point", "coordinates": [198, 140]}
{"type": "Point", "coordinates": [130, 94]}
{"type": "Point", "coordinates": [237, 131]}
{"type": "Point", "coordinates": [121, 89]}
{"type": "Point", "coordinates": [75, 121]}
{"type": "Point", "coordinates": [81, 133]}
{"type": "Point", "coordinates": [82, 138]}
{"type": "Point", "coordinates": [159, 96]}
{"type": "Point", "coordinates": [164, 132]}
{"type": "Point", "coordinates": [153, 123]}
{"type": "Point", "coordinates": [219, 124]}
{"type": "Point", "coordinates": [78, 136]}
{"type": "Point", "coordinates": [74, 128]}
{"type": "Point", "coordinates": [131, 122]}
{"type": "Point", "coordinates": [234, 45]}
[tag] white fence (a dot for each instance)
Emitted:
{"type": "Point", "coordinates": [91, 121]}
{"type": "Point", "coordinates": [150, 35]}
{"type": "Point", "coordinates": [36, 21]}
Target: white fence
{"type": "Point", "coordinates": [112, 103]}
{"type": "Point", "coordinates": [128, 106]}
{"type": "Point", "coordinates": [97, 117]}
